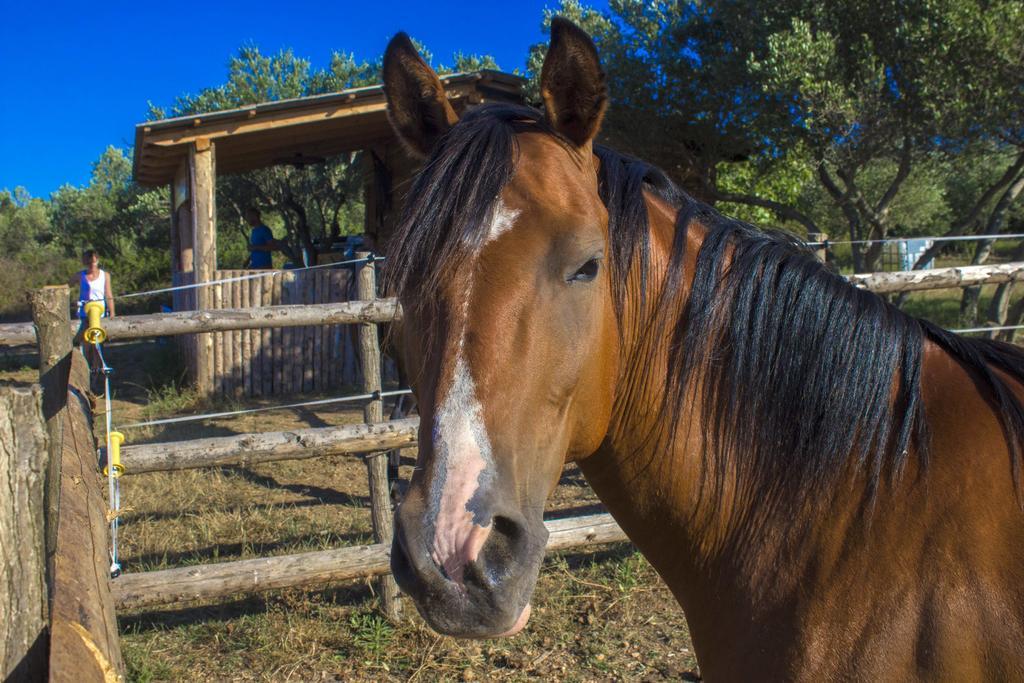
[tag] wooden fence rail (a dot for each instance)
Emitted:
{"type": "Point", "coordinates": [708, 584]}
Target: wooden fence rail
{"type": "Point", "coordinates": [219, 320]}
{"type": "Point", "coordinates": [212, 581]}
{"type": "Point", "coordinates": [248, 449]}
{"type": "Point", "coordinates": [388, 310]}
{"type": "Point", "coordinates": [938, 278]}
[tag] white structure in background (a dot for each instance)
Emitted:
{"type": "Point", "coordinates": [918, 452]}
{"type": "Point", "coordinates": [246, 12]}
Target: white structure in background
{"type": "Point", "coordinates": [911, 250]}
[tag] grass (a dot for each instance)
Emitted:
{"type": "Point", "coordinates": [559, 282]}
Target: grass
{"type": "Point", "coordinates": [942, 306]}
{"type": "Point", "coordinates": [584, 628]}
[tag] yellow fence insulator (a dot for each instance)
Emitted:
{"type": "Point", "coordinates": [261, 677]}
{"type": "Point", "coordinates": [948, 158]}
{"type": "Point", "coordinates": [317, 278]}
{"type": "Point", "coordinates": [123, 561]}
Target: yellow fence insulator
{"type": "Point", "coordinates": [94, 333]}
{"type": "Point", "coordinates": [114, 455]}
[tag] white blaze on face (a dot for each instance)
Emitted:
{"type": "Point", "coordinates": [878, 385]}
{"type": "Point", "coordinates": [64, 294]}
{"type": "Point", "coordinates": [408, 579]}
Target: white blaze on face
{"type": "Point", "coordinates": [462, 450]}
{"type": "Point", "coordinates": [502, 218]}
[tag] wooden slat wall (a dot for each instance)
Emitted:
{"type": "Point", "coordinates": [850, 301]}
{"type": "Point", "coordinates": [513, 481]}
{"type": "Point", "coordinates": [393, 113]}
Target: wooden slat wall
{"type": "Point", "coordinates": [250, 363]}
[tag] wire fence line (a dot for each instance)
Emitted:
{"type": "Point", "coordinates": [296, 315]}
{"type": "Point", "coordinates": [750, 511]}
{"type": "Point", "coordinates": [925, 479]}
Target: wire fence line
{"type": "Point", "coordinates": [891, 240]}
{"type": "Point", "coordinates": [252, 276]}
{"type": "Point", "coordinates": [374, 396]}
{"type": "Point", "coordinates": [994, 328]}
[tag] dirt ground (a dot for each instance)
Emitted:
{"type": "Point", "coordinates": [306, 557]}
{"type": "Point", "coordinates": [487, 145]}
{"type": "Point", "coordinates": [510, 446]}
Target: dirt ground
{"type": "Point", "coordinates": [599, 615]}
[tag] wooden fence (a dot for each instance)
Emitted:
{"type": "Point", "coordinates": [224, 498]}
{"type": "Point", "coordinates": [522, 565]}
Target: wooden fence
{"type": "Point", "coordinates": [73, 609]}
{"type": "Point", "coordinates": [273, 361]}
{"type": "Point", "coordinates": [372, 438]}
{"type": "Point", "coordinates": [386, 310]}
{"type": "Point", "coordinates": [246, 321]}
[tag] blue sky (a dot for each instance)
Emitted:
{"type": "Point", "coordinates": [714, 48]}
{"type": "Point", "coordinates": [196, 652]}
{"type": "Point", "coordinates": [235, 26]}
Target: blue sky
{"type": "Point", "coordinates": [78, 75]}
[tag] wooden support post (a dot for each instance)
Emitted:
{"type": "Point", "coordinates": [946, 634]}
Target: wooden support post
{"type": "Point", "coordinates": [23, 456]}
{"type": "Point", "coordinates": [51, 317]}
{"type": "Point", "coordinates": [376, 462]}
{"type": "Point", "coordinates": [202, 165]}
{"type": "Point", "coordinates": [84, 644]}
{"type": "Point", "coordinates": [821, 249]}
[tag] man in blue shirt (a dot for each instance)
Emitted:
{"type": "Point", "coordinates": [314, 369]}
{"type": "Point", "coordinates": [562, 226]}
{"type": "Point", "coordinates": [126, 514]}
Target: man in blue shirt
{"type": "Point", "coordinates": [261, 241]}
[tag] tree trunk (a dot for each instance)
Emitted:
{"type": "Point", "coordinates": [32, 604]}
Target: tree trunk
{"type": "Point", "coordinates": [23, 456]}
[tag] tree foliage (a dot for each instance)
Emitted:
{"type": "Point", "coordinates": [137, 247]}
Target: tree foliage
{"type": "Point", "coordinates": [842, 117]}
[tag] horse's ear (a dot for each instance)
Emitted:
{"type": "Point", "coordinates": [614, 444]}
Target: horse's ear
{"type": "Point", "coordinates": [417, 107]}
{"type": "Point", "coordinates": [572, 83]}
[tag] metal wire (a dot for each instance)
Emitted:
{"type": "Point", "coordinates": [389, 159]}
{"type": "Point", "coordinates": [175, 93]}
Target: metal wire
{"type": "Point", "coordinates": [888, 240]}
{"type": "Point", "coordinates": [377, 395]}
{"type": "Point", "coordinates": [252, 276]}
{"type": "Point", "coordinates": [999, 328]}
{"type": "Point", "coordinates": [113, 485]}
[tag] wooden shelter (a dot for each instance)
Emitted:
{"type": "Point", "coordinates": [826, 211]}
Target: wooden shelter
{"type": "Point", "coordinates": [187, 153]}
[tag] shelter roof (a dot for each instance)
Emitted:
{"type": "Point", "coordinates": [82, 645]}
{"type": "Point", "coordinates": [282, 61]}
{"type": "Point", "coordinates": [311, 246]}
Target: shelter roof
{"type": "Point", "coordinates": [273, 133]}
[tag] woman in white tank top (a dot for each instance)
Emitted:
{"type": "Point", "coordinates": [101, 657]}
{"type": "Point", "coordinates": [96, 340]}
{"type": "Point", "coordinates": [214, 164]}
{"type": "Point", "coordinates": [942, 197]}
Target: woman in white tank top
{"type": "Point", "coordinates": [94, 285]}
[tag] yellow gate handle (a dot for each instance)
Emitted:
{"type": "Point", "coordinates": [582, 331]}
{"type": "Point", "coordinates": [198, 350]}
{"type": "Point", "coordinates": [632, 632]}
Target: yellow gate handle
{"type": "Point", "coordinates": [94, 333]}
{"type": "Point", "coordinates": [114, 456]}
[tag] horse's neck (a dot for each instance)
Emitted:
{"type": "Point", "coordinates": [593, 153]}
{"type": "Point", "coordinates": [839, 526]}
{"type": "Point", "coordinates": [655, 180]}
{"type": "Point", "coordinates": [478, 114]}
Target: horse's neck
{"type": "Point", "coordinates": [653, 484]}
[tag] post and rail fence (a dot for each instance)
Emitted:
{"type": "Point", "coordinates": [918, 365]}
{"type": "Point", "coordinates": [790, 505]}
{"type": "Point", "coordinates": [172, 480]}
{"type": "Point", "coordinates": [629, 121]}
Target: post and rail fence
{"type": "Point", "coordinates": [75, 509]}
{"type": "Point", "coordinates": [59, 620]}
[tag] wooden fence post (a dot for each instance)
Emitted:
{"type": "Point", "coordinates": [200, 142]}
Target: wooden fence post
{"type": "Point", "coordinates": [821, 249]}
{"type": "Point", "coordinates": [376, 462]}
{"type": "Point", "coordinates": [23, 602]}
{"type": "Point", "coordinates": [84, 645]}
{"type": "Point", "coordinates": [51, 315]}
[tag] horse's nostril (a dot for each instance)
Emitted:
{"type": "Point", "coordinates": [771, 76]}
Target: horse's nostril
{"type": "Point", "coordinates": [507, 528]}
{"type": "Point", "coordinates": [499, 555]}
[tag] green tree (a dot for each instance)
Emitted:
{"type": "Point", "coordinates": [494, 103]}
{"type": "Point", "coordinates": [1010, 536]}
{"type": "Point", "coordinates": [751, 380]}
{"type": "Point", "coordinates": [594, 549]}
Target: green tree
{"type": "Point", "coordinates": [778, 107]}
{"type": "Point", "coordinates": [894, 82]}
{"type": "Point", "coordinates": [28, 256]}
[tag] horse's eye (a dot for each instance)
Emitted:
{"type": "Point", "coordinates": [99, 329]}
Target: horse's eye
{"type": "Point", "coordinates": [587, 272]}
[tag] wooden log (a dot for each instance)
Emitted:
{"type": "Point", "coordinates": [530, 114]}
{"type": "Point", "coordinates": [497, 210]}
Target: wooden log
{"type": "Point", "coordinates": [336, 351]}
{"type": "Point", "coordinates": [318, 334]}
{"type": "Point", "coordinates": [83, 628]}
{"type": "Point", "coordinates": [939, 278]}
{"type": "Point", "coordinates": [266, 339]}
{"type": "Point", "coordinates": [299, 341]}
{"type": "Point", "coordinates": [248, 449]}
{"type": "Point", "coordinates": [219, 383]}
{"type": "Point", "coordinates": [246, 343]}
{"type": "Point", "coordinates": [277, 339]}
{"type": "Point", "coordinates": [23, 464]}
{"type": "Point", "coordinates": [237, 318]}
{"type": "Point", "coordinates": [236, 341]}
{"type": "Point", "coordinates": [376, 462]}
{"type": "Point", "coordinates": [51, 316]}
{"type": "Point", "coordinates": [325, 333]}
{"type": "Point", "coordinates": [287, 351]}
{"type": "Point", "coordinates": [256, 338]}
{"type": "Point", "coordinates": [309, 570]}
{"type": "Point", "coordinates": [204, 206]}
{"type": "Point", "coordinates": [308, 297]}
{"type": "Point", "coordinates": [228, 342]}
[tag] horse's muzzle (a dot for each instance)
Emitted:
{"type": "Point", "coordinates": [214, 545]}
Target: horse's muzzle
{"type": "Point", "coordinates": [492, 598]}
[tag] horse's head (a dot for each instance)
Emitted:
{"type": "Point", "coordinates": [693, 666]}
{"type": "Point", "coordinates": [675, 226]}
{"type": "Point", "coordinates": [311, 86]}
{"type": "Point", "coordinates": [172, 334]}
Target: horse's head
{"type": "Point", "coordinates": [509, 330]}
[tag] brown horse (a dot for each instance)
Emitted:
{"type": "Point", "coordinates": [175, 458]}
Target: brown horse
{"type": "Point", "coordinates": [829, 487]}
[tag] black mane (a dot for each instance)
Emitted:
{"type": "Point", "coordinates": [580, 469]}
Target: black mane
{"type": "Point", "coordinates": [800, 372]}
